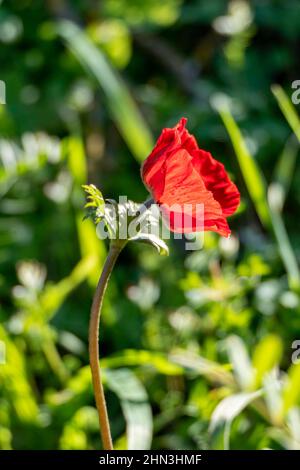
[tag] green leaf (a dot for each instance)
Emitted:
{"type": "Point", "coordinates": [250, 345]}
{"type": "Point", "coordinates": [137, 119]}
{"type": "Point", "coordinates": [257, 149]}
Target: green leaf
{"type": "Point", "coordinates": [291, 392]}
{"type": "Point", "coordinates": [240, 360]}
{"type": "Point", "coordinates": [228, 409]}
{"type": "Point", "coordinates": [273, 394]}
{"type": "Point", "coordinates": [153, 240]}
{"type": "Point", "coordinates": [122, 108]}
{"type": "Point", "coordinates": [75, 432]}
{"type": "Point", "coordinates": [269, 214]}
{"type": "Point", "coordinates": [294, 424]}
{"type": "Point", "coordinates": [79, 388]}
{"type": "Point", "coordinates": [94, 196]}
{"type": "Point", "coordinates": [252, 175]}
{"type": "Point", "coordinates": [285, 249]}
{"type": "Point", "coordinates": [134, 402]}
{"type": "Point", "coordinates": [289, 435]}
{"type": "Point", "coordinates": [277, 194]}
{"type": "Point", "coordinates": [132, 357]}
{"type": "Point", "coordinates": [149, 222]}
{"type": "Point", "coordinates": [214, 372]}
{"type": "Point", "coordinates": [285, 166]}
{"type": "Point", "coordinates": [74, 149]}
{"type": "Point", "coordinates": [90, 245]}
{"type": "Point", "coordinates": [14, 382]}
{"type": "Point", "coordinates": [127, 221]}
{"type": "Point", "coordinates": [288, 109]}
{"type": "Point", "coordinates": [96, 204]}
{"type": "Point", "coordinates": [54, 295]}
{"type": "Point", "coordinates": [266, 356]}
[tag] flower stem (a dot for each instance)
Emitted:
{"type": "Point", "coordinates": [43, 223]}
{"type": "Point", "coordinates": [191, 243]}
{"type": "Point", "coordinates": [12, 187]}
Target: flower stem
{"type": "Point", "coordinates": [94, 345]}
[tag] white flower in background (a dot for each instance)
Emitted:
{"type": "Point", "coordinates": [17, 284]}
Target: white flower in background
{"type": "Point", "coordinates": [239, 17]}
{"type": "Point", "coordinates": [145, 294]}
{"type": "Point", "coordinates": [32, 274]}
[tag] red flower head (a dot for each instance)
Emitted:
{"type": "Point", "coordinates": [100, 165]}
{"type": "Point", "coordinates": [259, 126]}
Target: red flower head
{"type": "Point", "coordinates": [182, 177]}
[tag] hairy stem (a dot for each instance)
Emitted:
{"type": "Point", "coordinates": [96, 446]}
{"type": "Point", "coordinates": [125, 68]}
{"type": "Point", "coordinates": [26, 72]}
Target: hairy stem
{"type": "Point", "coordinates": [94, 346]}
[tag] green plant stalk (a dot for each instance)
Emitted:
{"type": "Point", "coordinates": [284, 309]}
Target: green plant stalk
{"type": "Point", "coordinates": [55, 360]}
{"type": "Point", "coordinates": [286, 251]}
{"type": "Point", "coordinates": [287, 109]}
{"type": "Point", "coordinates": [253, 177]}
{"type": "Point", "coordinates": [112, 256]}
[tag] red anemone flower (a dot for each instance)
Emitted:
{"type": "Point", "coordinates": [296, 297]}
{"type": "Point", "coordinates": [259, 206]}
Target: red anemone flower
{"type": "Point", "coordinates": [182, 177]}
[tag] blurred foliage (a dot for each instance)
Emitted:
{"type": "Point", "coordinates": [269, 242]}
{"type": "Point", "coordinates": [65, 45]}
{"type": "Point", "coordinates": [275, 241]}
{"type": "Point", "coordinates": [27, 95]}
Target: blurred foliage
{"type": "Point", "coordinates": [196, 347]}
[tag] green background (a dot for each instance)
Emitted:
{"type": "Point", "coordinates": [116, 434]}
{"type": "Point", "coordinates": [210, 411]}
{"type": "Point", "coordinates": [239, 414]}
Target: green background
{"type": "Point", "coordinates": [197, 347]}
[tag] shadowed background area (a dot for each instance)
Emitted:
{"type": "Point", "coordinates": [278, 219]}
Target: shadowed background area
{"type": "Point", "coordinates": [199, 348]}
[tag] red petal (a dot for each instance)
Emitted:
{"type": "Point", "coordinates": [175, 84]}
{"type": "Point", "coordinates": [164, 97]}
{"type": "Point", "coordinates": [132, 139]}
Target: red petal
{"type": "Point", "coordinates": [178, 172]}
{"type": "Point", "coordinates": [213, 172]}
{"type": "Point", "coordinates": [184, 185]}
{"type": "Point", "coordinates": [151, 171]}
{"type": "Point", "coordinates": [217, 181]}
{"type": "Point", "coordinates": [187, 140]}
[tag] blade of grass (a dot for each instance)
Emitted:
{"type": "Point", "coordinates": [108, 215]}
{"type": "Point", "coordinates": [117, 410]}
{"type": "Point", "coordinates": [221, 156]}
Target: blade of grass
{"type": "Point", "coordinates": [122, 107]}
{"type": "Point", "coordinates": [284, 246]}
{"type": "Point", "coordinates": [133, 357]}
{"type": "Point", "coordinates": [90, 245]}
{"type": "Point", "coordinates": [285, 166]}
{"type": "Point", "coordinates": [267, 207]}
{"type": "Point", "coordinates": [288, 109]}
{"type": "Point", "coordinates": [252, 175]}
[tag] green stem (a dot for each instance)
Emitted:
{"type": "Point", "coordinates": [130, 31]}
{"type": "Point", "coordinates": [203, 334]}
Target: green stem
{"type": "Point", "coordinates": [55, 360]}
{"type": "Point", "coordinates": [94, 345]}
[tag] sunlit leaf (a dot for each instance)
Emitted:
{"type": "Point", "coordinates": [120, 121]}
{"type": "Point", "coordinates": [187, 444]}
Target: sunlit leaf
{"type": "Point", "coordinates": [293, 420]}
{"type": "Point", "coordinates": [54, 295]}
{"type": "Point", "coordinates": [267, 354]}
{"type": "Point", "coordinates": [75, 431]}
{"type": "Point", "coordinates": [252, 175]}
{"type": "Point", "coordinates": [74, 149]}
{"type": "Point", "coordinates": [213, 371]}
{"type": "Point", "coordinates": [121, 105]}
{"type": "Point", "coordinates": [291, 392]}
{"type": "Point", "coordinates": [90, 245]}
{"type": "Point", "coordinates": [15, 383]}
{"type": "Point", "coordinates": [228, 409]}
{"type": "Point", "coordinates": [240, 360]}
{"type": "Point", "coordinates": [134, 402]}
{"type": "Point", "coordinates": [131, 357]}
{"type": "Point", "coordinates": [273, 394]}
